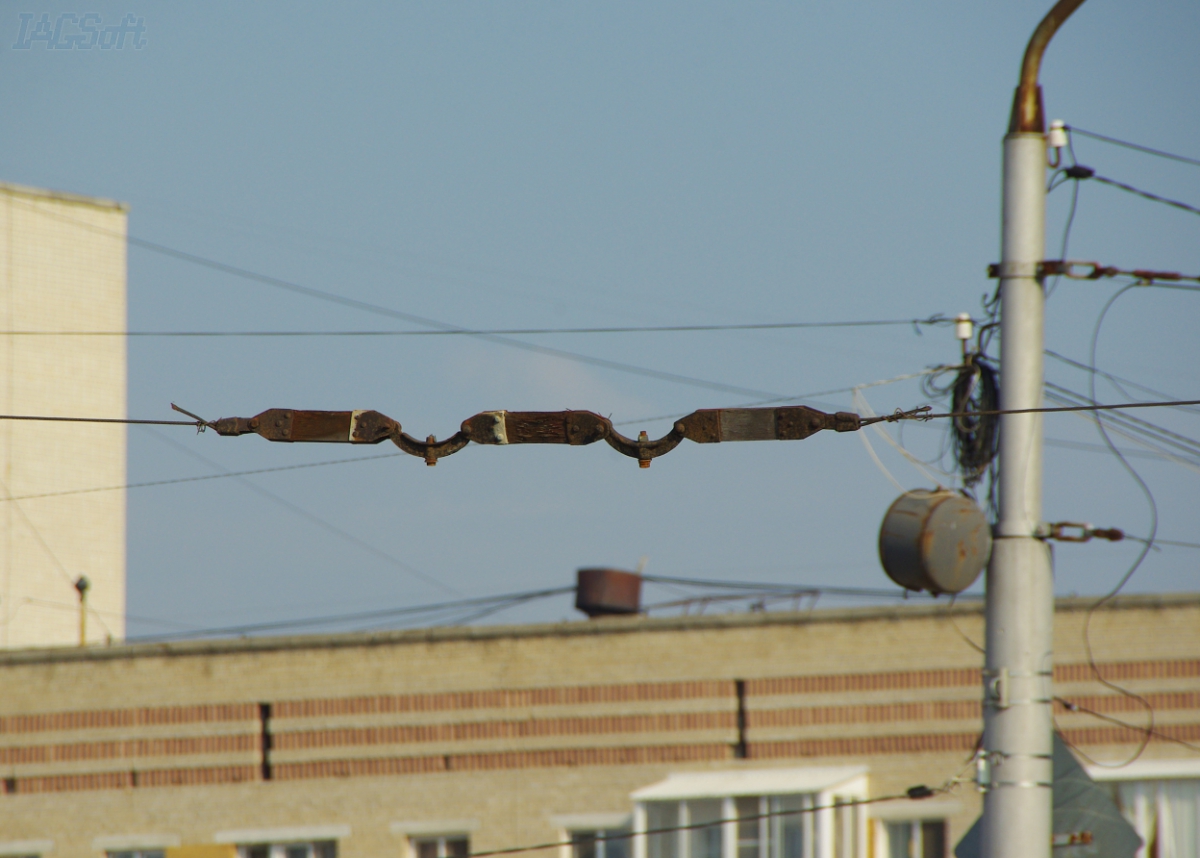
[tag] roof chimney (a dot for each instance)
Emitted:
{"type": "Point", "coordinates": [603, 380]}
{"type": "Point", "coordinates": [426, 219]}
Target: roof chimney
{"type": "Point", "coordinates": [604, 592]}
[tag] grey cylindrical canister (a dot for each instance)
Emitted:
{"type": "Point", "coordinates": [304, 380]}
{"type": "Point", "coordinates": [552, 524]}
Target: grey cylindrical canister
{"type": "Point", "coordinates": [934, 540]}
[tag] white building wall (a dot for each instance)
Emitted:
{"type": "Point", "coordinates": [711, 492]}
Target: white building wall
{"type": "Point", "coordinates": [62, 269]}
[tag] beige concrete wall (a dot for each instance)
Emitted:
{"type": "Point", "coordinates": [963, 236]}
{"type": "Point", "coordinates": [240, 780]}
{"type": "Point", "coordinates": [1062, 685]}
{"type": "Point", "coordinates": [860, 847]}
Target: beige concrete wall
{"type": "Point", "coordinates": [62, 268]}
{"type": "Point", "coordinates": [511, 726]}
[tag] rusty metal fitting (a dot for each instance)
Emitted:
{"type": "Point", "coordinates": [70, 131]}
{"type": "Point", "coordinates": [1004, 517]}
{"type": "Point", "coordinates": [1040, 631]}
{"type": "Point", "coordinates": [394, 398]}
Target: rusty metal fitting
{"type": "Point", "coordinates": [1149, 276]}
{"type": "Point", "coordinates": [1071, 268]}
{"type": "Point", "coordinates": [1075, 269]}
{"type": "Point", "coordinates": [1058, 531]}
{"type": "Point", "coordinates": [576, 428]}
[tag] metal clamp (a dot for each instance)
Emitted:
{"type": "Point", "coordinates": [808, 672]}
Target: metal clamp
{"type": "Point", "coordinates": [1075, 269]}
{"type": "Point", "coordinates": [1058, 531]}
{"type": "Point", "coordinates": [997, 687]}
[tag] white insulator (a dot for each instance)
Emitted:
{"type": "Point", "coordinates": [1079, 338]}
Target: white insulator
{"type": "Point", "coordinates": [964, 326]}
{"type": "Point", "coordinates": [1056, 138]}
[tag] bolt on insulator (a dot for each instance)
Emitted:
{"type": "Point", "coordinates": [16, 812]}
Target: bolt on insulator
{"type": "Point", "coordinates": [643, 438]}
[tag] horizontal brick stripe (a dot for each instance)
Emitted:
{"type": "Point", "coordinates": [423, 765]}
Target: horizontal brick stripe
{"type": "Point", "coordinates": [565, 757]}
{"type": "Point", "coordinates": [569, 757]}
{"type": "Point", "coordinates": [1112, 671]}
{"type": "Point", "coordinates": [573, 695]}
{"type": "Point", "coordinates": [533, 728]}
{"type": "Point", "coordinates": [358, 768]}
{"type": "Point", "coordinates": [944, 742]}
{"type": "Point", "coordinates": [951, 710]}
{"type": "Point", "coordinates": [143, 717]}
{"type": "Point", "coordinates": [940, 710]}
{"type": "Point", "coordinates": [69, 783]}
{"type": "Point", "coordinates": [530, 728]}
{"type": "Point", "coordinates": [1129, 736]}
{"type": "Point", "coordinates": [842, 682]}
{"type": "Point", "coordinates": [591, 757]}
{"type": "Point", "coordinates": [1122, 703]}
{"type": "Point", "coordinates": [198, 776]}
{"type": "Point", "coordinates": [863, 746]}
{"type": "Point", "coordinates": [132, 779]}
{"type": "Point", "coordinates": [959, 677]}
{"type": "Point", "coordinates": [503, 699]}
{"type": "Point", "coordinates": [167, 747]}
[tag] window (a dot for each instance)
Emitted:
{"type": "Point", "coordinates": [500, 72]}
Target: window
{"type": "Point", "coordinates": [846, 820]}
{"type": "Point", "coordinates": [452, 846]}
{"type": "Point", "coordinates": [310, 849]}
{"type": "Point", "coordinates": [762, 827]}
{"type": "Point", "coordinates": [916, 838]}
{"type": "Point", "coordinates": [768, 813]}
{"type": "Point", "coordinates": [611, 843]}
{"type": "Point", "coordinates": [1165, 813]}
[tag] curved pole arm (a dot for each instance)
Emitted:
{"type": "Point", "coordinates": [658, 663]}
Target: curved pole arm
{"type": "Point", "coordinates": [1028, 114]}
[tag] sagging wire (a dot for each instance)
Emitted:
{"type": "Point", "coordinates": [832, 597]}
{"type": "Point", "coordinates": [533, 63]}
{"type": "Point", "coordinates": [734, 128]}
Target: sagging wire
{"type": "Point", "coordinates": [966, 638]}
{"type": "Point", "coordinates": [1072, 706]}
{"type": "Point", "coordinates": [1135, 146]}
{"type": "Point", "coordinates": [1066, 173]}
{"type": "Point", "coordinates": [864, 408]}
{"type": "Point", "coordinates": [799, 397]}
{"type": "Point", "coordinates": [204, 478]}
{"type": "Point", "coordinates": [926, 413]}
{"type": "Point", "coordinates": [58, 564]}
{"type": "Point", "coordinates": [774, 588]}
{"type": "Point", "coordinates": [1062, 253]}
{"type": "Point", "coordinates": [1078, 172]}
{"type": "Point", "coordinates": [1145, 194]}
{"type": "Point", "coordinates": [1117, 381]}
{"type": "Point", "coordinates": [935, 319]}
{"type": "Point", "coordinates": [1158, 542]}
{"type": "Point", "coordinates": [427, 322]}
{"type": "Point", "coordinates": [1076, 707]}
{"type": "Point", "coordinates": [504, 600]}
{"type": "Point", "coordinates": [308, 516]}
{"type": "Point", "coordinates": [1147, 546]}
{"type": "Point", "coordinates": [1154, 451]}
{"type": "Point", "coordinates": [1157, 433]}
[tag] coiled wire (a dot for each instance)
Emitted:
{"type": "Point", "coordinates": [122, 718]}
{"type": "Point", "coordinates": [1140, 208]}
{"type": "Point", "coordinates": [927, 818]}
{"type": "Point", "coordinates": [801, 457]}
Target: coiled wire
{"type": "Point", "coordinates": [976, 438]}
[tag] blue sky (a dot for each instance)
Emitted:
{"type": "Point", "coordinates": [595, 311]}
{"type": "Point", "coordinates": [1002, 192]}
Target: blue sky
{"type": "Point", "coordinates": [548, 164]}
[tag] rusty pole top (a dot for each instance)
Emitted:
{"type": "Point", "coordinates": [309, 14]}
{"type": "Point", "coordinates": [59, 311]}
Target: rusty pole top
{"type": "Point", "coordinates": [1028, 114]}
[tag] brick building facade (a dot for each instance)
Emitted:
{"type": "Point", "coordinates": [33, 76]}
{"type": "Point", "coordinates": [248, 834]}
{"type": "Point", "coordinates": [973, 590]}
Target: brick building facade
{"type": "Point", "coordinates": [433, 743]}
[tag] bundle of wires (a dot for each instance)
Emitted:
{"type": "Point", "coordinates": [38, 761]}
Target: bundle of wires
{"type": "Point", "coordinates": [975, 389]}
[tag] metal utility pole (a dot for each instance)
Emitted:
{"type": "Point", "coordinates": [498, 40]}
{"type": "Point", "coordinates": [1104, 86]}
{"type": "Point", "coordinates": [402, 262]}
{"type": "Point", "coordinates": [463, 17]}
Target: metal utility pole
{"type": "Point", "coordinates": [1017, 767]}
